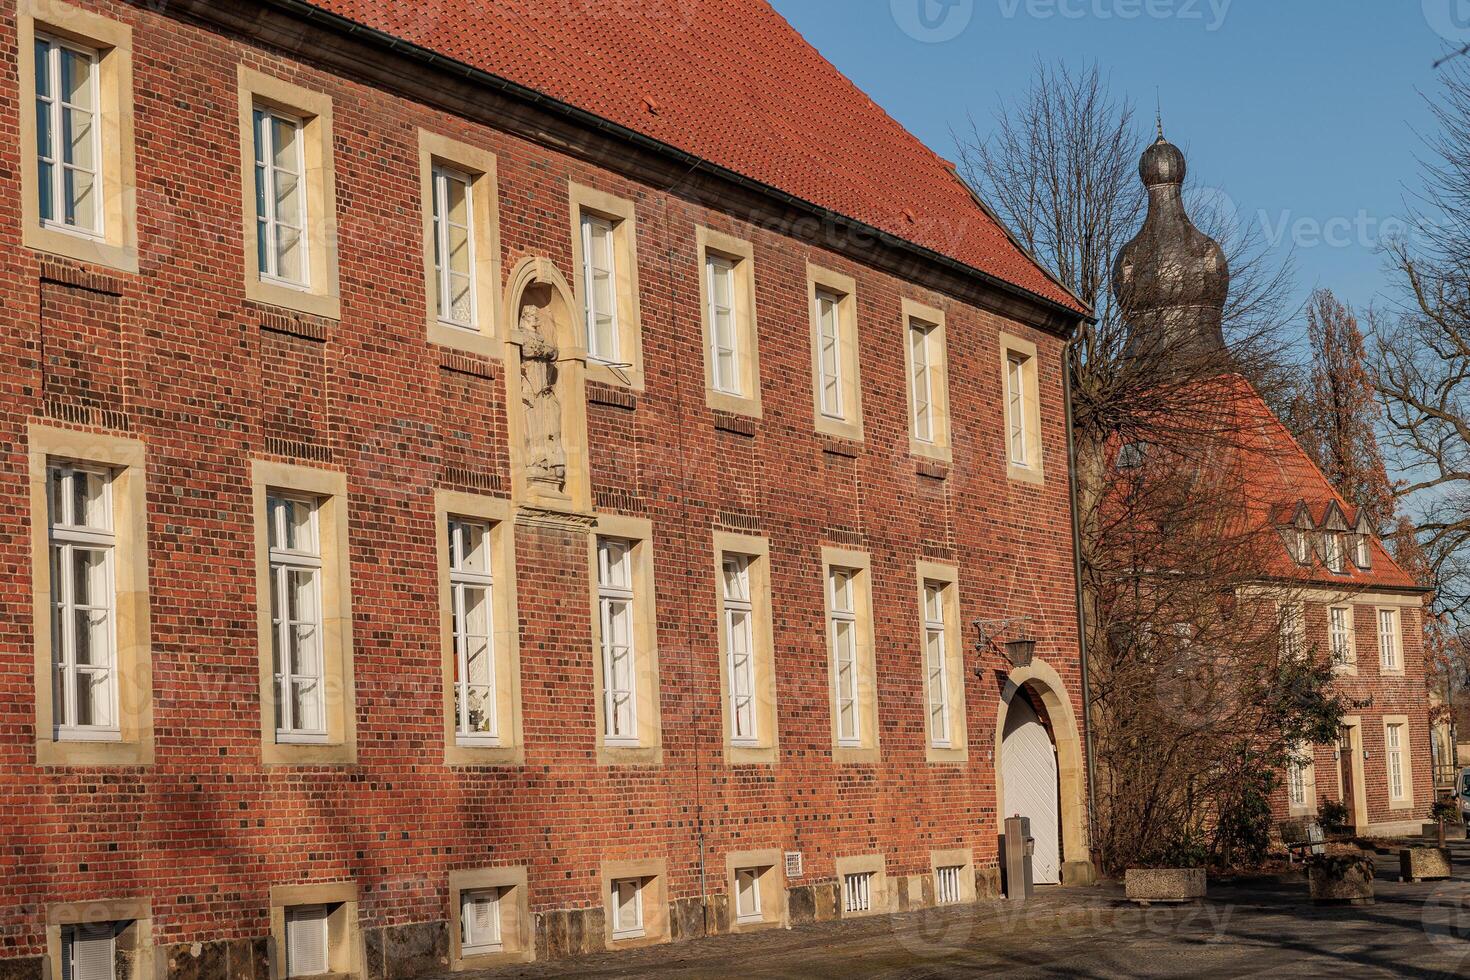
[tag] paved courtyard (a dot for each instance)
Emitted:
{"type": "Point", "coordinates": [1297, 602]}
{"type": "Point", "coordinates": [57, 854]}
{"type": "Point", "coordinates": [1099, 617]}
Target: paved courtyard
{"type": "Point", "coordinates": [1247, 929]}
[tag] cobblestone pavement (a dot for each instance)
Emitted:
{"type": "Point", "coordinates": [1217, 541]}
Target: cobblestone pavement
{"type": "Point", "coordinates": [1257, 928]}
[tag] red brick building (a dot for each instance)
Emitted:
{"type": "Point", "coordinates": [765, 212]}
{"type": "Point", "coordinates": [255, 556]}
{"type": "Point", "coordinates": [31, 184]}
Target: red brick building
{"type": "Point", "coordinates": [1337, 593]}
{"type": "Point", "coordinates": [490, 481]}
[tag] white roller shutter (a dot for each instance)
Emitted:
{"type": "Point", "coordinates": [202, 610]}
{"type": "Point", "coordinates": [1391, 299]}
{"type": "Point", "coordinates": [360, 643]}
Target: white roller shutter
{"type": "Point", "coordinates": [306, 940]}
{"type": "Point", "coordinates": [88, 952]}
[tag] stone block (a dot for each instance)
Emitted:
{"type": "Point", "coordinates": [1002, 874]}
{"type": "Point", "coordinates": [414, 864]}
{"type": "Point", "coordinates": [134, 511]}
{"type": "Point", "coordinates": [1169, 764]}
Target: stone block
{"type": "Point", "coordinates": [415, 949]}
{"type": "Point", "coordinates": [801, 904]}
{"type": "Point", "coordinates": [1425, 864]}
{"type": "Point", "coordinates": [1148, 885]}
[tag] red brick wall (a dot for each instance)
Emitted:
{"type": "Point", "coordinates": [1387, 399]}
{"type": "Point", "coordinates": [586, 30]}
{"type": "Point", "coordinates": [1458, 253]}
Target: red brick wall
{"type": "Point", "coordinates": [207, 830]}
{"type": "Point", "coordinates": [1384, 694]}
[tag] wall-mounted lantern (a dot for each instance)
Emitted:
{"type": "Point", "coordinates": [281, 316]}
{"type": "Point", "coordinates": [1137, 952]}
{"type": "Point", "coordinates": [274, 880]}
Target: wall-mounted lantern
{"type": "Point", "coordinates": [1019, 652]}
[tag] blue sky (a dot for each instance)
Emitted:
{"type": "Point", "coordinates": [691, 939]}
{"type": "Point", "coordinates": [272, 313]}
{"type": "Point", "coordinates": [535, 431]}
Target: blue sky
{"type": "Point", "coordinates": [1302, 112]}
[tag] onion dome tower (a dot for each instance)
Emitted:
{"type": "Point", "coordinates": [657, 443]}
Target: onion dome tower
{"type": "Point", "coordinates": [1172, 280]}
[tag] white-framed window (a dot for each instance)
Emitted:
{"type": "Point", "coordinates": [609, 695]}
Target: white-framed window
{"type": "Point", "coordinates": [599, 275]}
{"type": "Point", "coordinates": [947, 885]}
{"type": "Point", "coordinates": [307, 944]}
{"type": "Point", "coordinates": [1363, 550]}
{"type": "Point", "coordinates": [627, 905]}
{"type": "Point", "coordinates": [479, 922]}
{"type": "Point", "coordinates": [280, 197]}
{"type": "Point", "coordinates": [921, 384]}
{"type": "Point", "coordinates": [1297, 784]}
{"type": "Point", "coordinates": [1340, 635]}
{"type": "Point", "coordinates": [1393, 736]}
{"type": "Point", "coordinates": [89, 951]}
{"type": "Point", "coordinates": [454, 246]}
{"type": "Point", "coordinates": [471, 589]}
{"type": "Point", "coordinates": [615, 611]}
{"type": "Point", "coordinates": [842, 624]}
{"type": "Point", "coordinates": [83, 600]}
{"type": "Point", "coordinates": [936, 655]}
{"type": "Point", "coordinates": [68, 136]}
{"type": "Point", "coordinates": [1016, 409]}
{"type": "Point", "coordinates": [748, 894]}
{"type": "Point", "coordinates": [1332, 546]}
{"type": "Point", "coordinates": [829, 353]}
{"type": "Point", "coordinates": [739, 625]}
{"type": "Point", "coordinates": [296, 617]}
{"type": "Point", "coordinates": [857, 892]}
{"type": "Point", "coordinates": [1388, 639]}
{"type": "Point", "coordinates": [724, 331]}
{"type": "Point", "coordinates": [1289, 624]}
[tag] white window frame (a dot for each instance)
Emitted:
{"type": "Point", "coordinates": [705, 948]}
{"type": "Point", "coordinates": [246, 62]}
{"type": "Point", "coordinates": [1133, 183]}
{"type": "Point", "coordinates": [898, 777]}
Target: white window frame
{"type": "Point", "coordinates": [102, 933]}
{"type": "Point", "coordinates": [936, 674]}
{"type": "Point", "coordinates": [828, 313]}
{"type": "Point", "coordinates": [1289, 630]}
{"type": "Point", "coordinates": [921, 383]}
{"type": "Point", "coordinates": [839, 613]}
{"type": "Point", "coordinates": [442, 174]}
{"type": "Point", "coordinates": [591, 223]}
{"type": "Point", "coordinates": [1364, 551]}
{"type": "Point", "coordinates": [1393, 742]}
{"type": "Point", "coordinates": [1296, 781]}
{"type": "Point", "coordinates": [1340, 635]}
{"type": "Point", "coordinates": [857, 891]}
{"type": "Point", "coordinates": [752, 876]}
{"type": "Point", "coordinates": [1335, 554]}
{"type": "Point", "coordinates": [947, 884]}
{"type": "Point", "coordinates": [616, 607]}
{"type": "Point", "coordinates": [284, 561]}
{"type": "Point", "coordinates": [290, 915]}
{"type": "Point", "coordinates": [470, 942]}
{"type": "Point", "coordinates": [638, 928]}
{"type": "Point", "coordinates": [54, 109]}
{"type": "Point", "coordinates": [722, 268]}
{"type": "Point", "coordinates": [1016, 408]}
{"type": "Point", "coordinates": [265, 177]}
{"type": "Point", "coordinates": [462, 579]}
{"type": "Point", "coordinates": [1390, 646]}
{"type": "Point", "coordinates": [67, 537]}
{"type": "Point", "coordinates": [738, 615]}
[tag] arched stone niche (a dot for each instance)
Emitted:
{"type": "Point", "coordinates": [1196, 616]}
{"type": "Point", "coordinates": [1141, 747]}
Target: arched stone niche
{"type": "Point", "coordinates": [546, 385]}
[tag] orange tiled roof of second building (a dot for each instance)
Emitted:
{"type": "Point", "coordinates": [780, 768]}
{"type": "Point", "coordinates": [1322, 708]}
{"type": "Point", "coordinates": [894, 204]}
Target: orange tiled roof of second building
{"type": "Point", "coordinates": [1279, 477]}
{"type": "Point", "coordinates": [730, 82]}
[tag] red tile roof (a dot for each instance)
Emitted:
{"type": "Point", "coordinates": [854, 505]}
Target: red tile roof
{"type": "Point", "coordinates": [1279, 477]}
{"type": "Point", "coordinates": [730, 82]}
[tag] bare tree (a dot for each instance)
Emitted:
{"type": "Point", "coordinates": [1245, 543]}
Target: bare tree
{"type": "Point", "coordinates": [1422, 353]}
{"type": "Point", "coordinates": [1194, 708]}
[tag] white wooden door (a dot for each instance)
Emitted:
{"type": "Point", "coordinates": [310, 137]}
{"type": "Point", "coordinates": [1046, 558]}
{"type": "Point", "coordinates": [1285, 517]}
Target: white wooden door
{"type": "Point", "coordinates": [1029, 769]}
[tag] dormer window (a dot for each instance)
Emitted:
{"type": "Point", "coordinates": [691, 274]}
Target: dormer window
{"type": "Point", "coordinates": [1362, 552]}
{"type": "Point", "coordinates": [1332, 552]}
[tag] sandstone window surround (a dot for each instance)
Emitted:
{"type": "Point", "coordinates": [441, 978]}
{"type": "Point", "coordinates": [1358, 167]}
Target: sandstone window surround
{"type": "Point", "coordinates": [847, 587]}
{"type": "Point", "coordinates": [288, 195]}
{"type": "Point", "coordinates": [1398, 770]}
{"type": "Point", "coordinates": [943, 662]}
{"type": "Point", "coordinates": [926, 363]}
{"type": "Point", "coordinates": [727, 307]}
{"type": "Point", "coordinates": [1390, 642]}
{"type": "Point", "coordinates": [836, 375]}
{"type": "Point", "coordinates": [1342, 639]}
{"type": "Point", "coordinates": [1301, 783]}
{"type": "Point", "coordinates": [78, 173]}
{"type": "Point", "coordinates": [314, 928]}
{"type": "Point", "coordinates": [474, 541]}
{"type": "Point", "coordinates": [304, 610]}
{"type": "Point", "coordinates": [1020, 366]}
{"type": "Point", "coordinates": [747, 653]}
{"type": "Point", "coordinates": [954, 876]}
{"type": "Point", "coordinates": [93, 655]}
{"type": "Point", "coordinates": [863, 887]}
{"type": "Point", "coordinates": [460, 205]}
{"type": "Point", "coordinates": [490, 920]}
{"type": "Point", "coordinates": [635, 898]}
{"type": "Point", "coordinates": [625, 642]}
{"type": "Point", "coordinates": [757, 889]}
{"type": "Point", "coordinates": [604, 236]}
{"type": "Point", "coordinates": [100, 939]}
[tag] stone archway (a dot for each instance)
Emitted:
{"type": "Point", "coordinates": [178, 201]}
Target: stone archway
{"type": "Point", "coordinates": [1044, 687]}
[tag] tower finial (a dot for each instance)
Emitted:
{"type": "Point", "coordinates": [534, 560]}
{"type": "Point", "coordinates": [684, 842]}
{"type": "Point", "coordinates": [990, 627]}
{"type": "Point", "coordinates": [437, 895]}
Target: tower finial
{"type": "Point", "coordinates": [1159, 115]}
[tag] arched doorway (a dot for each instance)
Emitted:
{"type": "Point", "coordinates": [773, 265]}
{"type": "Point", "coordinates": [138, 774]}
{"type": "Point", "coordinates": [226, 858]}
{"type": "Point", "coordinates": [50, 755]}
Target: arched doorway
{"type": "Point", "coordinates": [1035, 719]}
{"type": "Point", "coordinates": [1028, 758]}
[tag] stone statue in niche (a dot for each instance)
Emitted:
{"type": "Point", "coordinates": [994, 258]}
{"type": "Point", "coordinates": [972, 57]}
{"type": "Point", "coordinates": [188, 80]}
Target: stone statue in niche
{"type": "Point", "coordinates": [546, 459]}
